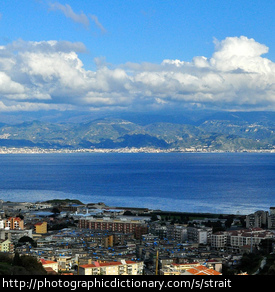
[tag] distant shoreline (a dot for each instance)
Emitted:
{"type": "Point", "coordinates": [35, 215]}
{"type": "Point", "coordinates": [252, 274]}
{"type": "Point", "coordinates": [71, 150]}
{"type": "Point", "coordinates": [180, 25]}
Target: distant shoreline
{"type": "Point", "coordinates": [23, 150]}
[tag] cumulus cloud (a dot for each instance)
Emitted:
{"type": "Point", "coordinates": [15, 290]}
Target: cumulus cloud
{"type": "Point", "coordinates": [50, 74]}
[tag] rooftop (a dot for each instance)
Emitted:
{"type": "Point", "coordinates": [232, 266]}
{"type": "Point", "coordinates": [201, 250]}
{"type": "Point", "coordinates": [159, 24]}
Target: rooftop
{"type": "Point", "coordinates": [202, 271]}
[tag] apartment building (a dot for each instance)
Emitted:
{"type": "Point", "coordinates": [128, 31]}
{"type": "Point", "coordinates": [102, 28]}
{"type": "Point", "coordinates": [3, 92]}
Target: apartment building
{"type": "Point", "coordinates": [14, 223]}
{"type": "Point", "coordinates": [138, 227]}
{"type": "Point", "coordinates": [261, 219]}
{"type": "Point", "coordinates": [112, 268]}
{"type": "Point", "coordinates": [201, 235]}
{"type": "Point", "coordinates": [257, 219]}
{"type": "Point", "coordinates": [6, 245]}
{"type": "Point", "coordinates": [271, 221]}
{"type": "Point", "coordinates": [41, 227]}
{"type": "Point", "coordinates": [219, 240]}
{"type": "Point", "coordinates": [239, 238]}
{"type": "Point", "coordinates": [177, 232]}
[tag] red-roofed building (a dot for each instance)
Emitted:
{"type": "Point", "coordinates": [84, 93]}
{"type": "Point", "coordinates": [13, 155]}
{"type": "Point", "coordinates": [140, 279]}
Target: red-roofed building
{"type": "Point", "coordinates": [49, 266]}
{"type": "Point", "coordinates": [201, 271]}
{"type": "Point", "coordinates": [186, 269]}
{"type": "Point", "coordinates": [14, 223]}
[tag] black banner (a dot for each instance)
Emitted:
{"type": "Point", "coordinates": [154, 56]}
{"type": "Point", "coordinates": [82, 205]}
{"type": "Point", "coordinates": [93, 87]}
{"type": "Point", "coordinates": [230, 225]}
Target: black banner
{"type": "Point", "coordinates": [157, 283]}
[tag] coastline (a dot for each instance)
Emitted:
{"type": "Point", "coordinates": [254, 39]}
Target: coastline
{"type": "Point", "coordinates": [143, 211]}
{"type": "Point", "coordinates": [35, 150]}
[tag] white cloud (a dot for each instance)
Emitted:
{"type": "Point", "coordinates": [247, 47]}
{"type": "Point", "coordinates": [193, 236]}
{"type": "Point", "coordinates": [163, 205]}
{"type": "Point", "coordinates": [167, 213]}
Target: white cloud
{"type": "Point", "coordinates": [9, 87]}
{"type": "Point", "coordinates": [240, 53]}
{"type": "Point", "coordinates": [50, 74]}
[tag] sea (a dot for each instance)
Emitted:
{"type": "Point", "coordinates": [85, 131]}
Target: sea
{"type": "Point", "coordinates": [228, 183]}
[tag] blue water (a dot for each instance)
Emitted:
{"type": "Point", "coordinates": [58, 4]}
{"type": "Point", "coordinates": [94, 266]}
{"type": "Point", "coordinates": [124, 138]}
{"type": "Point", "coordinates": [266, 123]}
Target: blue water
{"type": "Point", "coordinates": [187, 182]}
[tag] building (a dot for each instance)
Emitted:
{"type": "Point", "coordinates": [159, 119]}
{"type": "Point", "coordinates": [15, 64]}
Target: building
{"type": "Point", "coordinates": [138, 227]}
{"type": "Point", "coordinates": [14, 235]}
{"type": "Point", "coordinates": [112, 268]}
{"type": "Point", "coordinates": [49, 266]}
{"type": "Point", "coordinates": [14, 223]}
{"type": "Point", "coordinates": [65, 263]}
{"type": "Point", "coordinates": [271, 221]}
{"type": "Point", "coordinates": [201, 235]}
{"type": "Point", "coordinates": [177, 232]}
{"type": "Point", "coordinates": [219, 240]}
{"type": "Point", "coordinates": [257, 219]}
{"type": "Point", "coordinates": [237, 239]}
{"type": "Point", "coordinates": [201, 271]}
{"type": "Point", "coordinates": [271, 218]}
{"type": "Point", "coordinates": [195, 268]}
{"type": "Point", "coordinates": [41, 227]}
{"type": "Point", "coordinates": [272, 210]}
{"type": "Point", "coordinates": [6, 245]}
{"type": "Point", "coordinates": [261, 219]}
{"type": "Point", "coordinates": [176, 269]}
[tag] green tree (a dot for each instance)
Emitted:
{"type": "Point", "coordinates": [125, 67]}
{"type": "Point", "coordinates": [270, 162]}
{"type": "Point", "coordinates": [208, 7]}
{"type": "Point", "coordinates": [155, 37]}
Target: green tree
{"type": "Point", "coordinates": [25, 239]}
{"type": "Point", "coordinates": [32, 265]}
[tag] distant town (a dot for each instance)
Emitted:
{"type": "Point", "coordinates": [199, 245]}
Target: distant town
{"type": "Point", "coordinates": [37, 150]}
{"type": "Point", "coordinates": [71, 238]}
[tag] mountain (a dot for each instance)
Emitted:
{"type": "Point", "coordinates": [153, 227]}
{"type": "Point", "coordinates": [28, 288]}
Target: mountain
{"type": "Point", "coordinates": [212, 131]}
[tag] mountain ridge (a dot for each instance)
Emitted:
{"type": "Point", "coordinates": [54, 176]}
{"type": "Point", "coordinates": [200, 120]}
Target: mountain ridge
{"type": "Point", "coordinates": [225, 132]}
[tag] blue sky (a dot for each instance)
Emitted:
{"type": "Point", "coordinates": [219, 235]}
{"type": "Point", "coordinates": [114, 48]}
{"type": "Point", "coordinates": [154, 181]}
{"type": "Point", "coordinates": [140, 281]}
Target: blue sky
{"type": "Point", "coordinates": [145, 55]}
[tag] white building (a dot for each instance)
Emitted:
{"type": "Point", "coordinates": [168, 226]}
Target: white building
{"type": "Point", "coordinates": [239, 238]}
{"type": "Point", "coordinates": [201, 235]}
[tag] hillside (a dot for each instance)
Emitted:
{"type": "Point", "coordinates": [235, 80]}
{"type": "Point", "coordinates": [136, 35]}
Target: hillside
{"type": "Point", "coordinates": [227, 132]}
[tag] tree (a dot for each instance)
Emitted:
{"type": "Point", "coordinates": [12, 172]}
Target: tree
{"type": "Point", "coordinates": [271, 270]}
{"type": "Point", "coordinates": [17, 260]}
{"type": "Point", "coordinates": [266, 245]}
{"type": "Point", "coordinates": [25, 239]}
{"type": "Point", "coordinates": [30, 265]}
{"type": "Point", "coordinates": [55, 210]}
{"type": "Point", "coordinates": [228, 222]}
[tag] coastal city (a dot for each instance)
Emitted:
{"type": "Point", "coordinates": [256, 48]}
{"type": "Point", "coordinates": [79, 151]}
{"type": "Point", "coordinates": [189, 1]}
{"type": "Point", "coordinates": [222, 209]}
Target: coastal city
{"type": "Point", "coordinates": [37, 150]}
{"type": "Point", "coordinates": [67, 237]}
{"type": "Point", "coordinates": [137, 143]}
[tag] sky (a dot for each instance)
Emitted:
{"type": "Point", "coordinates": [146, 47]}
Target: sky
{"type": "Point", "coordinates": [137, 55]}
